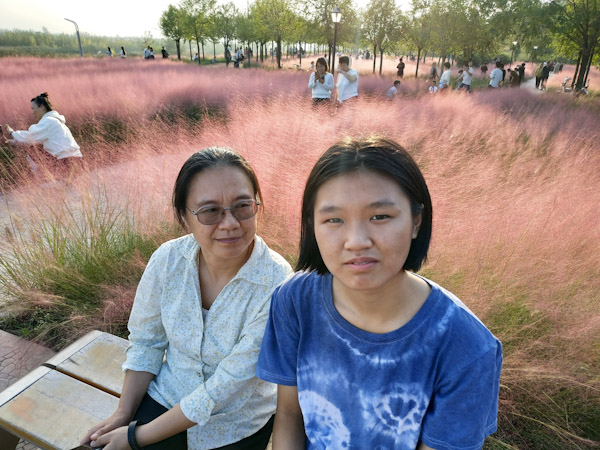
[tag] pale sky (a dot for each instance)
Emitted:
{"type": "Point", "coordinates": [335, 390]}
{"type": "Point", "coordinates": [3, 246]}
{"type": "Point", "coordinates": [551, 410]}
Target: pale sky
{"type": "Point", "coordinates": [105, 18]}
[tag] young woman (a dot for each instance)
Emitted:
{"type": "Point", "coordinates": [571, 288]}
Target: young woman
{"type": "Point", "coordinates": [366, 353]}
{"type": "Point", "coordinates": [321, 83]}
{"type": "Point", "coordinates": [197, 322]}
{"type": "Point", "coordinates": [50, 131]}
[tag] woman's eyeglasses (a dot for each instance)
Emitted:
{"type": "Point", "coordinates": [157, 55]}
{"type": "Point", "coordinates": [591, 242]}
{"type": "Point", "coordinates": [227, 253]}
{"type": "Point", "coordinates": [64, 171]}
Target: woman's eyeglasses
{"type": "Point", "coordinates": [212, 214]}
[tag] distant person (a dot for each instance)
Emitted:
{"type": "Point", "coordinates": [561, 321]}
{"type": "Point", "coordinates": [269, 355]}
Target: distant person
{"type": "Point", "coordinates": [545, 75]}
{"type": "Point", "coordinates": [496, 76]}
{"type": "Point", "coordinates": [347, 81]}
{"type": "Point", "coordinates": [467, 78]}
{"type": "Point", "coordinates": [433, 88]}
{"type": "Point", "coordinates": [123, 53]}
{"type": "Point", "coordinates": [513, 78]}
{"type": "Point", "coordinates": [393, 91]}
{"type": "Point", "coordinates": [151, 53]}
{"type": "Point", "coordinates": [459, 78]}
{"type": "Point", "coordinates": [321, 83]}
{"type": "Point", "coordinates": [503, 72]}
{"type": "Point", "coordinates": [538, 75]}
{"type": "Point", "coordinates": [312, 66]}
{"type": "Point", "coordinates": [165, 53]}
{"type": "Point", "coordinates": [400, 68]}
{"type": "Point", "coordinates": [445, 78]}
{"type": "Point", "coordinates": [147, 53]}
{"type": "Point", "coordinates": [433, 73]}
{"type": "Point", "coordinates": [484, 69]}
{"type": "Point", "coordinates": [50, 131]}
{"type": "Point", "coordinates": [109, 52]}
{"type": "Point", "coordinates": [521, 70]}
{"type": "Point", "coordinates": [227, 56]}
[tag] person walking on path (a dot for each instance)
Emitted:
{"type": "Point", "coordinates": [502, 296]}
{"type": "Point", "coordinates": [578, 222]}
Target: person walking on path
{"type": "Point", "coordinates": [400, 68]}
{"type": "Point", "coordinates": [123, 53]}
{"type": "Point", "coordinates": [165, 53]}
{"type": "Point", "coordinates": [321, 83]}
{"type": "Point", "coordinates": [545, 76]}
{"type": "Point", "coordinates": [393, 91]}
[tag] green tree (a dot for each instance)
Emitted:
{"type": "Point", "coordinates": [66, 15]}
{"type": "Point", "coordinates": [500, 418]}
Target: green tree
{"type": "Point", "coordinates": [172, 24]}
{"type": "Point", "coordinates": [579, 22]}
{"type": "Point", "coordinates": [381, 27]}
{"type": "Point", "coordinates": [225, 24]}
{"type": "Point", "coordinates": [275, 19]}
{"type": "Point", "coordinates": [199, 21]}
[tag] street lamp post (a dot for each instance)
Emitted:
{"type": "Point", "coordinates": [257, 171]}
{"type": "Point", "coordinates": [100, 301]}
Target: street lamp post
{"type": "Point", "coordinates": [512, 53]}
{"type": "Point", "coordinates": [535, 47]}
{"type": "Point", "coordinates": [336, 16]}
{"type": "Point", "coordinates": [78, 38]}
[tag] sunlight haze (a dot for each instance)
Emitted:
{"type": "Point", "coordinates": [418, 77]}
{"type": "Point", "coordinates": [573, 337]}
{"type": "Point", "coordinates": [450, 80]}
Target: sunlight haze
{"type": "Point", "coordinates": [107, 18]}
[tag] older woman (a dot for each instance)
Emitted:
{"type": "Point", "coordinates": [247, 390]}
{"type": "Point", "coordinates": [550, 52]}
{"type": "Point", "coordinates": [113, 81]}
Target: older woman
{"type": "Point", "coordinates": [198, 320]}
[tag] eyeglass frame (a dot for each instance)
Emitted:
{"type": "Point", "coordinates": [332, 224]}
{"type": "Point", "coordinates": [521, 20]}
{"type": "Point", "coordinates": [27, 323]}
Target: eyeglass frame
{"type": "Point", "coordinates": [224, 211]}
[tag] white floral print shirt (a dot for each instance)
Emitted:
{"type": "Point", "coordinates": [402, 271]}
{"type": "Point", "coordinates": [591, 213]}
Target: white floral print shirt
{"type": "Point", "coordinates": [208, 365]}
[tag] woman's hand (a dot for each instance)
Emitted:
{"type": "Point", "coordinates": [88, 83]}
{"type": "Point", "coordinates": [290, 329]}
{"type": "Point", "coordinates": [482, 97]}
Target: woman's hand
{"type": "Point", "coordinates": [113, 440]}
{"type": "Point", "coordinates": [9, 130]}
{"type": "Point", "coordinates": [118, 419]}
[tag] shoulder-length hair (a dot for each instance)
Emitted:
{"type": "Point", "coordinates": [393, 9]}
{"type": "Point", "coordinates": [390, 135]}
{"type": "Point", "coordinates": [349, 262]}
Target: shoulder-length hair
{"type": "Point", "coordinates": [376, 154]}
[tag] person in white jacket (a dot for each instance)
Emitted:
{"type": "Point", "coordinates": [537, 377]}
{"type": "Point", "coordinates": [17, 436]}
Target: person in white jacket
{"type": "Point", "coordinates": [321, 83]}
{"type": "Point", "coordinates": [50, 131]}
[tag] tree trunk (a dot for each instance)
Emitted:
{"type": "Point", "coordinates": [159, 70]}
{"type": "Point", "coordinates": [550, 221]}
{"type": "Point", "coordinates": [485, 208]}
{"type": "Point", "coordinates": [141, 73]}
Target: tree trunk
{"type": "Point", "coordinates": [380, 60]}
{"type": "Point", "coordinates": [585, 60]}
{"type": "Point", "coordinates": [418, 59]}
{"type": "Point", "coordinates": [203, 57]}
{"type": "Point", "coordinates": [576, 71]}
{"type": "Point", "coordinates": [198, 52]}
{"type": "Point", "coordinates": [374, 56]}
{"type": "Point", "coordinates": [178, 45]}
{"type": "Point", "coordinates": [279, 53]}
{"type": "Point", "coordinates": [191, 56]}
{"type": "Point", "coordinates": [587, 71]}
{"type": "Point", "coordinates": [300, 52]}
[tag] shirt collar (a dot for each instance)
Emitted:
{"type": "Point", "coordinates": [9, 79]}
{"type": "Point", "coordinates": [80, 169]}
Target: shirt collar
{"type": "Point", "coordinates": [252, 270]}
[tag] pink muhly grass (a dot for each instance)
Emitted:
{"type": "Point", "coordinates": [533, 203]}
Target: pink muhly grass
{"type": "Point", "coordinates": [513, 178]}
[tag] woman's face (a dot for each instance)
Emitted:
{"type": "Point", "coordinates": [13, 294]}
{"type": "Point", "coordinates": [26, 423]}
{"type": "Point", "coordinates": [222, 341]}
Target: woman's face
{"type": "Point", "coordinates": [230, 239]}
{"type": "Point", "coordinates": [38, 111]}
{"type": "Point", "coordinates": [364, 229]}
{"type": "Point", "coordinates": [321, 69]}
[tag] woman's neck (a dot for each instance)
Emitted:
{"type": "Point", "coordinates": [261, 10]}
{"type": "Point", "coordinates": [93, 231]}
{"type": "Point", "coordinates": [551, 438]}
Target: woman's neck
{"type": "Point", "coordinates": [385, 309]}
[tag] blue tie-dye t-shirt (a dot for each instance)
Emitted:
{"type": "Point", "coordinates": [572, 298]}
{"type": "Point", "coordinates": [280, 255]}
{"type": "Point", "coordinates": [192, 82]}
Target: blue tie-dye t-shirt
{"type": "Point", "coordinates": [434, 380]}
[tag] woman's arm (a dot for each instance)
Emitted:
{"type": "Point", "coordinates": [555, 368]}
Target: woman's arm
{"type": "Point", "coordinates": [311, 81]}
{"type": "Point", "coordinates": [36, 132]}
{"type": "Point", "coordinates": [328, 82]}
{"type": "Point", "coordinates": [134, 388]}
{"type": "Point", "coordinates": [288, 431]}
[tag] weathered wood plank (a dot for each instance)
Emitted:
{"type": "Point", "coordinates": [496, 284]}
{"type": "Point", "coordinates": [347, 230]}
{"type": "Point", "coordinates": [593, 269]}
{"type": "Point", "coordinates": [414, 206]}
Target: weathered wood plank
{"type": "Point", "coordinates": [56, 411]}
{"type": "Point", "coordinates": [95, 359]}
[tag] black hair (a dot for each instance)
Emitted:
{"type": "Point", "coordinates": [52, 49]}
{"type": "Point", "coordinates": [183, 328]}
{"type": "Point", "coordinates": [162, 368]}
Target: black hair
{"type": "Point", "coordinates": [209, 158]}
{"type": "Point", "coordinates": [397, 83]}
{"type": "Point", "coordinates": [323, 62]}
{"type": "Point", "coordinates": [447, 65]}
{"type": "Point", "coordinates": [43, 100]}
{"type": "Point", "coordinates": [344, 59]}
{"type": "Point", "coordinates": [376, 154]}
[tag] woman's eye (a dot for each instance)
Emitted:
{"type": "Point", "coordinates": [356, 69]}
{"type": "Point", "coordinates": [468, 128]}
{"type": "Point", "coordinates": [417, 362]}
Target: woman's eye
{"type": "Point", "coordinates": [209, 210]}
{"type": "Point", "coordinates": [334, 220]}
{"type": "Point", "coordinates": [242, 205]}
{"type": "Point", "coordinates": [380, 217]}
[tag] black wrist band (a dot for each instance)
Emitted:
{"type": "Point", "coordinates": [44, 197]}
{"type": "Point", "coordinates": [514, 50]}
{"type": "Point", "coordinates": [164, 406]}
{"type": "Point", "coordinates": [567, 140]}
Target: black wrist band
{"type": "Point", "coordinates": [131, 436]}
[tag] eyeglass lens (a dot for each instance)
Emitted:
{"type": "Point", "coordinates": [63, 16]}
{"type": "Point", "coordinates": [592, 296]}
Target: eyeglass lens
{"type": "Point", "coordinates": [241, 210]}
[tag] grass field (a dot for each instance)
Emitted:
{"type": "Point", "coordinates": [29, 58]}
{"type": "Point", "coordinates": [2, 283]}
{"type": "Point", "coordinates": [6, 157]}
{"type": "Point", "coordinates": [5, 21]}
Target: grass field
{"type": "Point", "coordinates": [513, 176]}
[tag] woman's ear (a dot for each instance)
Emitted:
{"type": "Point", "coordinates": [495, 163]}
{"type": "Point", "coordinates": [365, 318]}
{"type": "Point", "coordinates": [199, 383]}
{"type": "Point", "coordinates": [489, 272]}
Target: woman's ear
{"type": "Point", "coordinates": [417, 223]}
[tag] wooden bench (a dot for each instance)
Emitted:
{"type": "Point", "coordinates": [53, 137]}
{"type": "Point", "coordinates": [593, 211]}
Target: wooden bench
{"type": "Point", "coordinates": [56, 404]}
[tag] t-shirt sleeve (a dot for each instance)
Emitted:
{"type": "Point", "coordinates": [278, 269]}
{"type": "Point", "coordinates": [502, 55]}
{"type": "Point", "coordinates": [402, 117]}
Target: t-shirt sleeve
{"type": "Point", "coordinates": [464, 408]}
{"type": "Point", "coordinates": [277, 362]}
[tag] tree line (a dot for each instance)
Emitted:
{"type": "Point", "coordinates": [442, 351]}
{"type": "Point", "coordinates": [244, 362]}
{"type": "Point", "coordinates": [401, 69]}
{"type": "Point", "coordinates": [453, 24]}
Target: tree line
{"type": "Point", "coordinates": [464, 30]}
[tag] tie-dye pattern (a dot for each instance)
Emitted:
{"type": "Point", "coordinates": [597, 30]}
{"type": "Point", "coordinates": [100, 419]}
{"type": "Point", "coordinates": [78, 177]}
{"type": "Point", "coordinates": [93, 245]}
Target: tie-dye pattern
{"type": "Point", "coordinates": [434, 380]}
